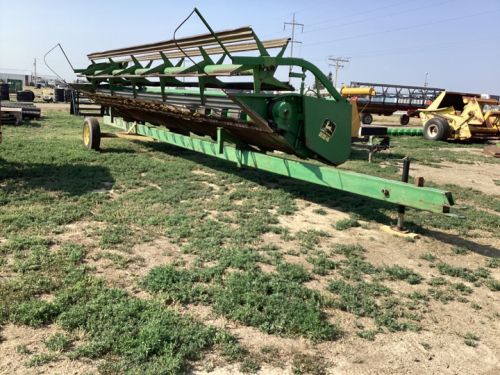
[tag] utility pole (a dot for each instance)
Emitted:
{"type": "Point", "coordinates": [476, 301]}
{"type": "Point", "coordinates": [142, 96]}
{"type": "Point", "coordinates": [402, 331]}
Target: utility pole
{"type": "Point", "coordinates": [337, 66]}
{"type": "Point", "coordinates": [293, 23]}
{"type": "Point", "coordinates": [35, 73]}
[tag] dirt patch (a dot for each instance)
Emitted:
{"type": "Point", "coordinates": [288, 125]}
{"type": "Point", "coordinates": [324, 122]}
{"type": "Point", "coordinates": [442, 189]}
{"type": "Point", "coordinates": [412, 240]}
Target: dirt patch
{"type": "Point", "coordinates": [197, 171]}
{"type": "Point", "coordinates": [12, 362]}
{"type": "Point", "coordinates": [145, 256]}
{"type": "Point", "coordinates": [306, 219]}
{"type": "Point", "coordinates": [59, 107]}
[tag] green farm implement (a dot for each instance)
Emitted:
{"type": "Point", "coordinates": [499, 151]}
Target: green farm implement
{"type": "Point", "coordinates": [236, 99]}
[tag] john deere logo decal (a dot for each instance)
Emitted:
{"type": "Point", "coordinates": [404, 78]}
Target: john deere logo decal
{"type": "Point", "coordinates": [327, 130]}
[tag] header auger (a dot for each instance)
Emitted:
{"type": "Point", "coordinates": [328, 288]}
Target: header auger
{"type": "Point", "coordinates": [150, 93]}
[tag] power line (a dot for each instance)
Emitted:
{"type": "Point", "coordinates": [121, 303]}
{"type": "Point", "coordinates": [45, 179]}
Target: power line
{"type": "Point", "coordinates": [289, 14]}
{"type": "Point", "coordinates": [337, 66]}
{"type": "Point", "coordinates": [432, 47]}
{"type": "Point", "coordinates": [378, 17]}
{"type": "Point", "coordinates": [405, 28]}
{"type": "Point", "coordinates": [293, 23]}
{"type": "Point", "coordinates": [367, 19]}
{"type": "Point", "coordinates": [357, 14]}
{"type": "Point", "coordinates": [335, 19]}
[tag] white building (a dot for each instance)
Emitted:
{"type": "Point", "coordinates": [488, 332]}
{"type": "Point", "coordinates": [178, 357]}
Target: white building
{"type": "Point", "coordinates": [25, 78]}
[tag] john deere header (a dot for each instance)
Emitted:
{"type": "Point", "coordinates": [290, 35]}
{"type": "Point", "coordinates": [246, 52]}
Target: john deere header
{"type": "Point", "coordinates": [236, 99]}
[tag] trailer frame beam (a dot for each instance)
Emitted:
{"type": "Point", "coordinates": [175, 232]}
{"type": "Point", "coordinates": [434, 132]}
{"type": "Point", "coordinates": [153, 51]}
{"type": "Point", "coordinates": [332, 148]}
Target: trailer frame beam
{"type": "Point", "coordinates": [396, 192]}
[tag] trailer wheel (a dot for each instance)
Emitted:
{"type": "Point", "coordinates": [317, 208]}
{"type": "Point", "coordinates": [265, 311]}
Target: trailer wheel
{"type": "Point", "coordinates": [404, 120]}
{"type": "Point", "coordinates": [367, 119]}
{"type": "Point", "coordinates": [436, 129]}
{"type": "Point", "coordinates": [91, 133]}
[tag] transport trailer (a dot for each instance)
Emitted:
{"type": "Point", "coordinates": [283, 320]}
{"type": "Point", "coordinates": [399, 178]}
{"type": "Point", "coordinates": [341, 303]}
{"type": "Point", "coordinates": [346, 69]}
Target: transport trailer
{"type": "Point", "coordinates": [393, 98]}
{"type": "Point", "coordinates": [246, 124]}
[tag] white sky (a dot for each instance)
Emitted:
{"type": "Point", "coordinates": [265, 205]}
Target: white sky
{"type": "Point", "coordinates": [457, 42]}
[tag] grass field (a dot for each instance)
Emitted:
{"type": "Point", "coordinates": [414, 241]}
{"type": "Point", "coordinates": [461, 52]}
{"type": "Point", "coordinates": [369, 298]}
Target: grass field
{"type": "Point", "coordinates": [144, 258]}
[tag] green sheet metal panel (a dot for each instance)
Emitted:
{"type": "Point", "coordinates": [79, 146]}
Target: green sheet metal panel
{"type": "Point", "coordinates": [328, 128]}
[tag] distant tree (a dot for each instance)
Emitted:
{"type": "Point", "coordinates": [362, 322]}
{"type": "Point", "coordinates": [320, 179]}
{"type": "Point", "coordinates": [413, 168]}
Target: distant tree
{"type": "Point", "coordinates": [320, 85]}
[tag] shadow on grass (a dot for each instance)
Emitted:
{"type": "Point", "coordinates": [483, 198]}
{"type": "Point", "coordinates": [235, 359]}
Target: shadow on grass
{"type": "Point", "coordinates": [359, 207]}
{"type": "Point", "coordinates": [117, 150]}
{"type": "Point", "coordinates": [486, 250]}
{"type": "Point", "coordinates": [367, 208]}
{"type": "Point", "coordinates": [23, 124]}
{"type": "Point", "coordinates": [73, 179]}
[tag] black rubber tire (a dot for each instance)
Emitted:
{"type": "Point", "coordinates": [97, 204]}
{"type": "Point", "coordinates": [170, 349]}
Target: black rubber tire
{"type": "Point", "coordinates": [22, 98]}
{"type": "Point", "coordinates": [404, 120]}
{"type": "Point", "coordinates": [25, 96]}
{"type": "Point", "coordinates": [91, 133]}
{"type": "Point", "coordinates": [67, 95]}
{"type": "Point", "coordinates": [31, 114]}
{"type": "Point", "coordinates": [58, 95]}
{"type": "Point", "coordinates": [21, 105]}
{"type": "Point", "coordinates": [367, 119]}
{"type": "Point", "coordinates": [436, 129]}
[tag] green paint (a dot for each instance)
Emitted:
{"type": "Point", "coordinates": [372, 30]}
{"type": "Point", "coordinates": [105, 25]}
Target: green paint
{"type": "Point", "coordinates": [433, 200]}
{"type": "Point", "coordinates": [408, 132]}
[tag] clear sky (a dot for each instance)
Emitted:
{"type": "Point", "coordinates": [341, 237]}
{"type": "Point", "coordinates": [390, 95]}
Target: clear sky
{"type": "Point", "coordinates": [455, 44]}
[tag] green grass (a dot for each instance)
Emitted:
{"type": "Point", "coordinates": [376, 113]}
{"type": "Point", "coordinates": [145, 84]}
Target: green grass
{"type": "Point", "coordinates": [40, 359]}
{"type": "Point", "coordinates": [319, 211]}
{"type": "Point", "coordinates": [475, 306]}
{"type": "Point", "coordinates": [131, 193]}
{"type": "Point", "coordinates": [249, 366]}
{"type": "Point", "coordinates": [492, 262]}
{"type": "Point", "coordinates": [361, 300]}
{"type": "Point", "coordinates": [308, 364]}
{"type": "Point", "coordinates": [470, 339]}
{"type": "Point", "coordinates": [367, 335]}
{"type": "Point", "coordinates": [428, 257]}
{"type": "Point", "coordinates": [274, 303]}
{"type": "Point", "coordinates": [57, 342]}
{"type": "Point", "coordinates": [397, 272]}
{"type": "Point", "coordinates": [459, 250]}
{"type": "Point", "coordinates": [425, 345]}
{"type": "Point", "coordinates": [463, 272]}
{"type": "Point", "coordinates": [346, 224]}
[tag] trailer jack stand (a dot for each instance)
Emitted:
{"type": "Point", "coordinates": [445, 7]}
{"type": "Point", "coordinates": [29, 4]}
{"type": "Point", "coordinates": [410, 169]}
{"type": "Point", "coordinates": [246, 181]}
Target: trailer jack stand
{"type": "Point", "coordinates": [398, 229]}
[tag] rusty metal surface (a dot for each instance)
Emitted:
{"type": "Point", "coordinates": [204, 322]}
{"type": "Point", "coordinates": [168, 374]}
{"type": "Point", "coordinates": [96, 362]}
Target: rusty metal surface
{"type": "Point", "coordinates": [240, 47]}
{"type": "Point", "coordinates": [492, 150]}
{"type": "Point", "coordinates": [182, 118]}
{"type": "Point", "coordinates": [226, 36]}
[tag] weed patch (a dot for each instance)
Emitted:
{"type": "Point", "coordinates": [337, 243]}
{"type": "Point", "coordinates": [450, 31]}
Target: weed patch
{"type": "Point", "coordinates": [359, 299]}
{"type": "Point", "coordinates": [308, 364]}
{"type": "Point", "coordinates": [463, 272]}
{"type": "Point", "coordinates": [492, 262]}
{"type": "Point", "coordinates": [57, 342]}
{"type": "Point", "coordinates": [403, 273]}
{"type": "Point", "coordinates": [346, 224]}
{"type": "Point", "coordinates": [459, 250]}
{"type": "Point", "coordinates": [275, 303]}
{"type": "Point", "coordinates": [428, 257]}
{"type": "Point", "coordinates": [40, 359]}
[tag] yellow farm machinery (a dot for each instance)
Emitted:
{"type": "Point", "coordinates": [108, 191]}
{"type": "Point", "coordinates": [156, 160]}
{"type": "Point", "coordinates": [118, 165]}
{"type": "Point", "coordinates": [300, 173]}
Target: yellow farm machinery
{"type": "Point", "coordinates": [461, 116]}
